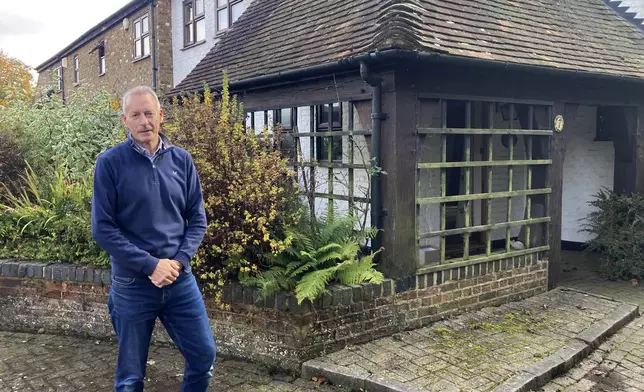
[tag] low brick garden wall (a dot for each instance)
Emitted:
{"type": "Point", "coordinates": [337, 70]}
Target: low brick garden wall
{"type": "Point", "coordinates": [65, 299]}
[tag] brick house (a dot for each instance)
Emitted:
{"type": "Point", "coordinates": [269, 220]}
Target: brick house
{"type": "Point", "coordinates": [116, 54]}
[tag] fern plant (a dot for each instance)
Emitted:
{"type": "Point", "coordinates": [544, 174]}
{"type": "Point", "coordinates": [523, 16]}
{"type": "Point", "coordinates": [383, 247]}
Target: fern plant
{"type": "Point", "coordinates": [50, 220]}
{"type": "Point", "coordinates": [320, 251]}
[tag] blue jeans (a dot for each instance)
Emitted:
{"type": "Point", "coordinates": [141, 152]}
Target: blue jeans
{"type": "Point", "coordinates": [135, 304]}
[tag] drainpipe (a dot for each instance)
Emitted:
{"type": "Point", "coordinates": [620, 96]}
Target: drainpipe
{"type": "Point", "coordinates": [62, 80]}
{"type": "Point", "coordinates": [376, 125]}
{"type": "Point", "coordinates": [153, 43]}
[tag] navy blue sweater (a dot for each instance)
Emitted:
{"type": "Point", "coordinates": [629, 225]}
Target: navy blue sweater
{"type": "Point", "coordinates": [144, 210]}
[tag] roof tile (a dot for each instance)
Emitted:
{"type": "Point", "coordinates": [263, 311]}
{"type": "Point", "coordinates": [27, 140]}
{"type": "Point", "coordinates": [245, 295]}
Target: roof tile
{"type": "Point", "coordinates": [278, 35]}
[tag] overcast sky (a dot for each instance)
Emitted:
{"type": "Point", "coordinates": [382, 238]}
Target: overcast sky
{"type": "Point", "coordinates": [35, 30]}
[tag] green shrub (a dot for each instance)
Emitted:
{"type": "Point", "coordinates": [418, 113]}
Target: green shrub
{"type": "Point", "coordinates": [12, 162]}
{"type": "Point", "coordinates": [320, 252]}
{"type": "Point", "coordinates": [50, 220]}
{"type": "Point", "coordinates": [617, 227]}
{"type": "Point", "coordinates": [248, 188]}
{"type": "Point", "coordinates": [48, 216]}
{"type": "Point", "coordinates": [64, 135]}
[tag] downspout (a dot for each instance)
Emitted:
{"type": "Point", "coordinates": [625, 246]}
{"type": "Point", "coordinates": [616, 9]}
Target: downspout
{"type": "Point", "coordinates": [62, 80]}
{"type": "Point", "coordinates": [153, 44]}
{"type": "Point", "coordinates": [376, 125]}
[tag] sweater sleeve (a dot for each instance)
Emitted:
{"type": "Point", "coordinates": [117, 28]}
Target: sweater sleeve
{"type": "Point", "coordinates": [106, 231]}
{"type": "Point", "coordinates": [195, 214]}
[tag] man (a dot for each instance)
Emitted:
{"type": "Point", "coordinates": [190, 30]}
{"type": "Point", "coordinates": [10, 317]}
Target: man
{"type": "Point", "coordinates": [148, 215]}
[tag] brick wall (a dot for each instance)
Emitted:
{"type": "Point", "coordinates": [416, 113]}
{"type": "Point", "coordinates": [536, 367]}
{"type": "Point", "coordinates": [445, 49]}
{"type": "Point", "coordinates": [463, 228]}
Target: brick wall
{"type": "Point", "coordinates": [164, 46]}
{"type": "Point", "coordinates": [122, 70]}
{"type": "Point", "coordinates": [274, 330]}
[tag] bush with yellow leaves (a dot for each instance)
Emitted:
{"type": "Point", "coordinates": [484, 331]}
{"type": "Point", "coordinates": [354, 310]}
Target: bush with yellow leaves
{"type": "Point", "coordinates": [248, 189]}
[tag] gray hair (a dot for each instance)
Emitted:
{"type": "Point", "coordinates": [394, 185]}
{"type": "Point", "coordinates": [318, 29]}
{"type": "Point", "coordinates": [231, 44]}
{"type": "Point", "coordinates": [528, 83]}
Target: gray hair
{"type": "Point", "coordinates": [139, 90]}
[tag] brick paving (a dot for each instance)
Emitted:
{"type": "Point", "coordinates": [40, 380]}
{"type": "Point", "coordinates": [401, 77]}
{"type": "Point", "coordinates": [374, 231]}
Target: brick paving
{"type": "Point", "coordinates": [478, 351]}
{"type": "Point", "coordinates": [582, 271]}
{"type": "Point", "coordinates": [46, 363]}
{"type": "Point", "coordinates": [618, 364]}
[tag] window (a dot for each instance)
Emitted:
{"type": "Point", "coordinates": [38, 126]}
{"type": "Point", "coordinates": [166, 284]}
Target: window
{"type": "Point", "coordinates": [228, 11]}
{"type": "Point", "coordinates": [329, 119]}
{"type": "Point", "coordinates": [59, 77]}
{"type": "Point", "coordinates": [286, 117]}
{"type": "Point", "coordinates": [141, 37]}
{"type": "Point", "coordinates": [194, 22]}
{"type": "Point", "coordinates": [76, 70]}
{"type": "Point", "coordinates": [101, 60]}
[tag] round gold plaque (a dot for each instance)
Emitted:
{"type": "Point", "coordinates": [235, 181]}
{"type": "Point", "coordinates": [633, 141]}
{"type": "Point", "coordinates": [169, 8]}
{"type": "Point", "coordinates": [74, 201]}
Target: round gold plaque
{"type": "Point", "coordinates": [559, 123]}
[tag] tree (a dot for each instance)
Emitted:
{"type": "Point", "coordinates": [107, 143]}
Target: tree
{"type": "Point", "coordinates": [15, 80]}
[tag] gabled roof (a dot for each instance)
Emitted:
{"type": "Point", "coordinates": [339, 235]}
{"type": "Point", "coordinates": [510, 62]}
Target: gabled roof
{"type": "Point", "coordinates": [95, 31]}
{"type": "Point", "coordinates": [275, 36]}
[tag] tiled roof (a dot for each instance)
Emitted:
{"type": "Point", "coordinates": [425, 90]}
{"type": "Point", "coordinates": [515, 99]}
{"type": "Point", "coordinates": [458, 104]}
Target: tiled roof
{"type": "Point", "coordinates": [279, 35]}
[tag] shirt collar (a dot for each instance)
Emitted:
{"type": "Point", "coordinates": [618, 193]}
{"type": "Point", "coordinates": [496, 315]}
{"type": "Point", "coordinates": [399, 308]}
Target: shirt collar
{"type": "Point", "coordinates": [142, 150]}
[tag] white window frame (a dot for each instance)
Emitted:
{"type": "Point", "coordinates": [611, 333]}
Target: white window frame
{"type": "Point", "coordinates": [143, 34]}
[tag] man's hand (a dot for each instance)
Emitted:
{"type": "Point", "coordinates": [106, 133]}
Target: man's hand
{"type": "Point", "coordinates": [166, 272]}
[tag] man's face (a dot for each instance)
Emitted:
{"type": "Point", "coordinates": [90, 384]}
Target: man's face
{"type": "Point", "coordinates": [143, 118]}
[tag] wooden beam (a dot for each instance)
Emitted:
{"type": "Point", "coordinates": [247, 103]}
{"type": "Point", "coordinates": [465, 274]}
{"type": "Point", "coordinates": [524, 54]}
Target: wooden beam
{"type": "Point", "coordinates": [456, 263]}
{"type": "Point", "coordinates": [438, 165]}
{"type": "Point", "coordinates": [400, 256]}
{"type": "Point", "coordinates": [622, 121]}
{"type": "Point", "coordinates": [325, 89]}
{"type": "Point", "coordinates": [484, 196]}
{"type": "Point", "coordinates": [475, 229]}
{"type": "Point", "coordinates": [558, 153]}
{"type": "Point", "coordinates": [332, 133]}
{"type": "Point", "coordinates": [326, 165]}
{"type": "Point", "coordinates": [537, 148]}
{"type": "Point", "coordinates": [639, 149]}
{"type": "Point", "coordinates": [484, 131]}
{"type": "Point", "coordinates": [497, 85]}
{"type": "Point", "coordinates": [342, 197]}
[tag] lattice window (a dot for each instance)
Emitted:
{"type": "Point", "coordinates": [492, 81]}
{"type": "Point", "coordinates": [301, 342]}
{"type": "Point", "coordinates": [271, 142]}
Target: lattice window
{"type": "Point", "coordinates": [330, 159]}
{"type": "Point", "coordinates": [475, 185]}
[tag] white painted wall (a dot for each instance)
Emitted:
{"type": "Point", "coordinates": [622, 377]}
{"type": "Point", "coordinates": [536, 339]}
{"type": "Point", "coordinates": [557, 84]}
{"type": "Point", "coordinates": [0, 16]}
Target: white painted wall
{"type": "Point", "coordinates": [340, 176]}
{"type": "Point", "coordinates": [588, 167]}
{"type": "Point", "coordinates": [184, 60]}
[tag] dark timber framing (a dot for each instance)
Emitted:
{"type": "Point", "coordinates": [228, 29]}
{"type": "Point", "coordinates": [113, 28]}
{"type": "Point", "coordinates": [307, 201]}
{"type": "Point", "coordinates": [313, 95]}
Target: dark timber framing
{"type": "Point", "coordinates": [407, 78]}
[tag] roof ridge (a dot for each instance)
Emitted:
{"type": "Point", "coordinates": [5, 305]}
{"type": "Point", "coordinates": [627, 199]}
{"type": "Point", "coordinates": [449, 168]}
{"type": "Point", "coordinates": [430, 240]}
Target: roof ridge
{"type": "Point", "coordinates": [396, 24]}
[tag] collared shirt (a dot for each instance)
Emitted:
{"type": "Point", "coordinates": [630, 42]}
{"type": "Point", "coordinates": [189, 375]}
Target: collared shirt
{"type": "Point", "coordinates": [145, 152]}
{"type": "Point", "coordinates": [141, 215]}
